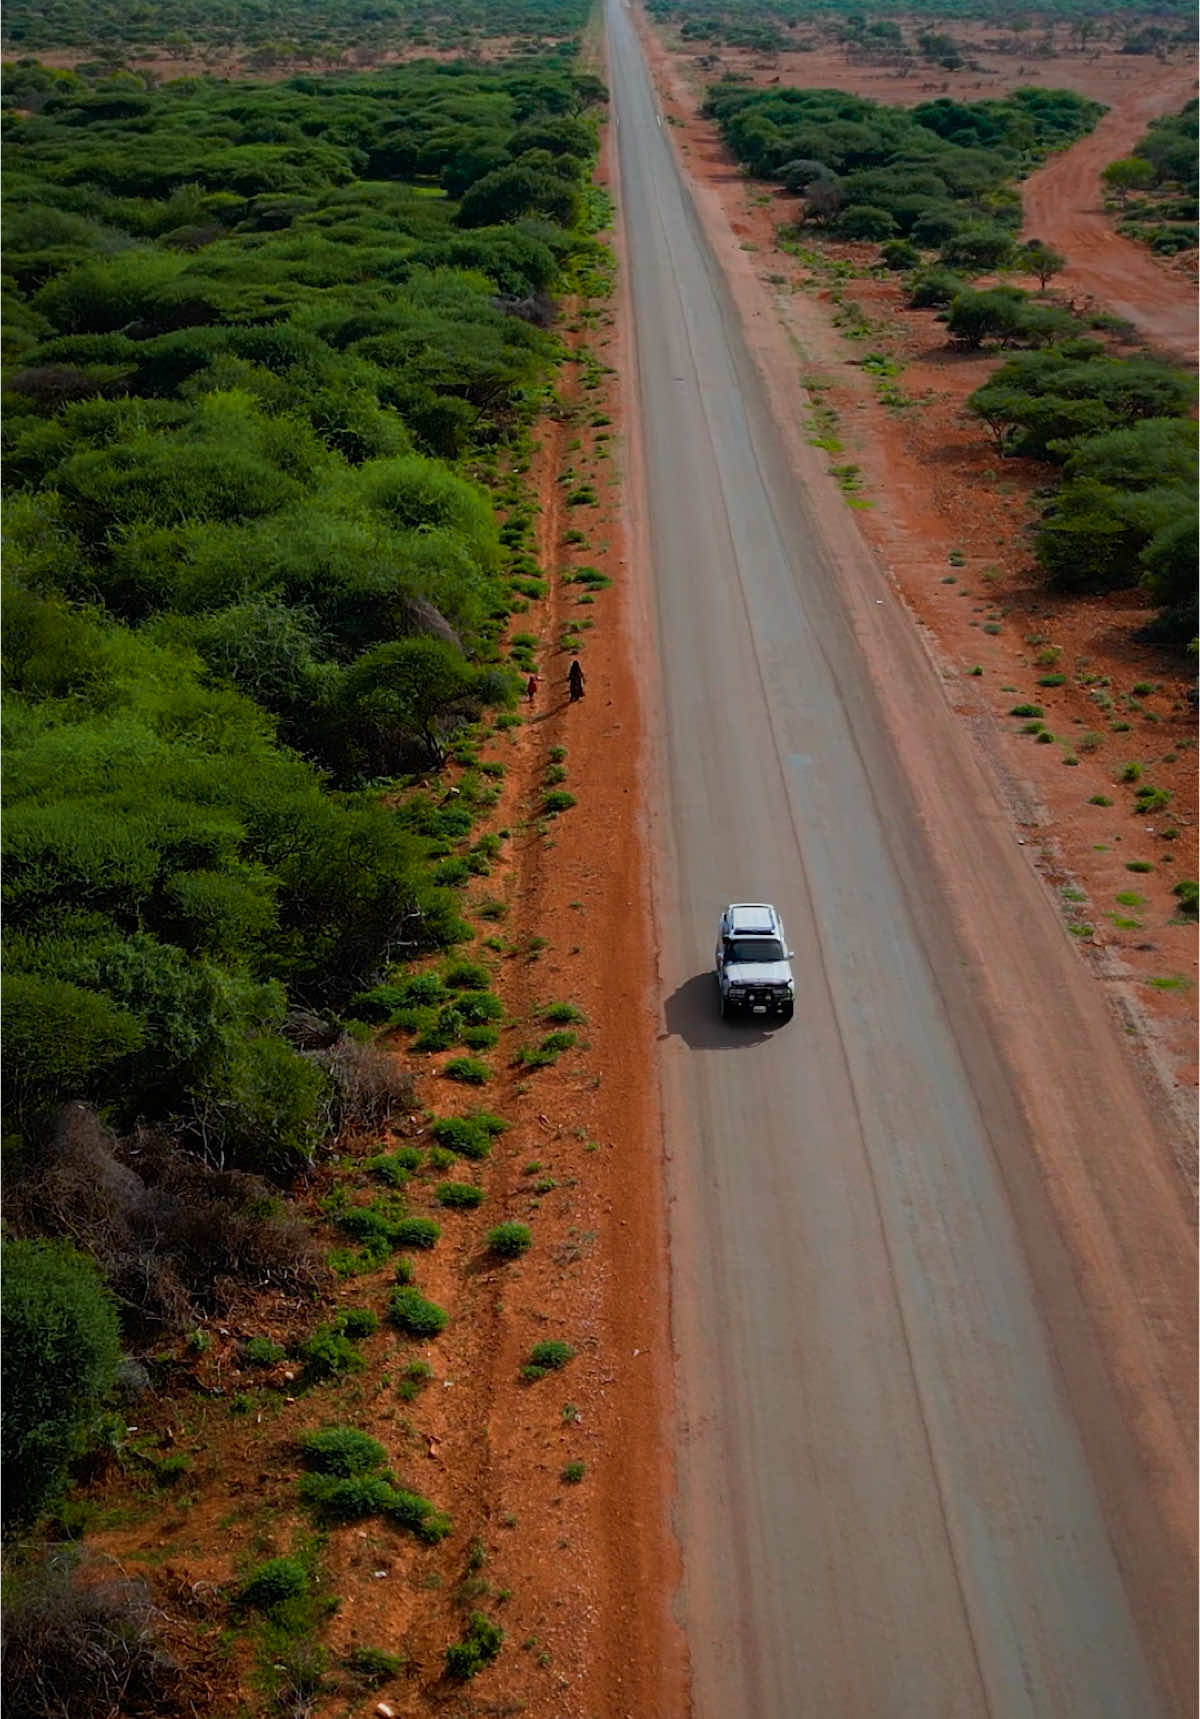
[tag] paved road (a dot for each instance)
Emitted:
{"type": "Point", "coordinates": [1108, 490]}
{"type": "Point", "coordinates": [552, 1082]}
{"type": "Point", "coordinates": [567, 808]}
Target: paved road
{"type": "Point", "coordinates": [885, 1508]}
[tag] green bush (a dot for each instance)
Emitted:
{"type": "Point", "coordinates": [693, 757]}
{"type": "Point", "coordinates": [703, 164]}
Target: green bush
{"type": "Point", "coordinates": [357, 1323]}
{"type": "Point", "coordinates": [327, 1353]}
{"type": "Point", "coordinates": [462, 1195]}
{"type": "Point", "coordinates": [273, 1584]}
{"type": "Point", "coordinates": [59, 1351]}
{"type": "Point", "coordinates": [416, 1316]}
{"type": "Point", "coordinates": [469, 1070]}
{"type": "Point", "coordinates": [1187, 893]}
{"type": "Point", "coordinates": [467, 976]}
{"type": "Point", "coordinates": [549, 1356]}
{"type": "Point", "coordinates": [477, 1648]}
{"type": "Point", "coordinates": [468, 1136]}
{"type": "Point", "coordinates": [261, 1352]}
{"type": "Point", "coordinates": [416, 1232]}
{"type": "Point", "coordinates": [557, 800]}
{"type": "Point", "coordinates": [341, 1451]}
{"type": "Point", "coordinates": [372, 1666]}
{"type": "Point", "coordinates": [510, 1240]}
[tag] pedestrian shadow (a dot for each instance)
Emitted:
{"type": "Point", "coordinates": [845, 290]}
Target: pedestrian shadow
{"type": "Point", "coordinates": [693, 1014]}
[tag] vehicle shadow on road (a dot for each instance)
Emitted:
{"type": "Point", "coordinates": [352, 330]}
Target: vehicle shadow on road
{"type": "Point", "coordinates": [693, 1014]}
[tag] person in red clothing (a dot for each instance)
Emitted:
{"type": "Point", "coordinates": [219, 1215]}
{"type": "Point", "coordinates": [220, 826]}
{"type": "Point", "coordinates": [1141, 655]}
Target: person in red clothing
{"type": "Point", "coordinates": [531, 689]}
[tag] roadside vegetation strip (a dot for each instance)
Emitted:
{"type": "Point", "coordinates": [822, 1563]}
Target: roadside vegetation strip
{"type": "Point", "coordinates": [294, 33]}
{"type": "Point", "coordinates": [252, 922]}
{"type": "Point", "coordinates": [933, 186]}
{"type": "Point", "coordinates": [1154, 190]}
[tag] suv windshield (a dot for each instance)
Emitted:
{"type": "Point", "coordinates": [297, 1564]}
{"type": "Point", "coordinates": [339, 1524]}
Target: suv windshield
{"type": "Point", "coordinates": [755, 949]}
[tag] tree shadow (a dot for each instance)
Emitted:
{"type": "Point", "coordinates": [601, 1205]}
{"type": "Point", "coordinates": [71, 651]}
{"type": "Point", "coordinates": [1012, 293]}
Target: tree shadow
{"type": "Point", "coordinates": [693, 1014]}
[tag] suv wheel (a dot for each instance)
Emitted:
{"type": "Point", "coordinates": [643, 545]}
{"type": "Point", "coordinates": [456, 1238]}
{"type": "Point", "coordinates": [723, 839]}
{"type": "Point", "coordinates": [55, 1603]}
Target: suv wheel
{"type": "Point", "coordinates": [787, 1011]}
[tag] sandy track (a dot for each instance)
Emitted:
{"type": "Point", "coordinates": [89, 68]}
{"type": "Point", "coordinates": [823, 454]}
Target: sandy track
{"type": "Point", "coordinates": [913, 1479]}
{"type": "Point", "coordinates": [1063, 204]}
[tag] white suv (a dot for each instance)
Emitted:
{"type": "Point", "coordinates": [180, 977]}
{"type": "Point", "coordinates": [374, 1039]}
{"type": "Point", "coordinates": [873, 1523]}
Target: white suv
{"type": "Point", "coordinates": [753, 971]}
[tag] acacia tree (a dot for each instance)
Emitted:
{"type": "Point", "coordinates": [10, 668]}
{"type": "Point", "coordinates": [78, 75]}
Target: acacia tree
{"type": "Point", "coordinates": [1128, 174]}
{"type": "Point", "coordinates": [1042, 260]}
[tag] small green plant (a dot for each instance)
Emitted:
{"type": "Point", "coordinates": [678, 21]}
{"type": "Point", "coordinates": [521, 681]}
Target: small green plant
{"type": "Point", "coordinates": [1130, 773]}
{"type": "Point", "coordinates": [460, 1196]}
{"type": "Point", "coordinates": [468, 1136]}
{"type": "Point", "coordinates": [1143, 688]}
{"type": "Point", "coordinates": [956, 558]}
{"type": "Point", "coordinates": [510, 1240]}
{"type": "Point", "coordinates": [328, 1353]}
{"type": "Point", "coordinates": [413, 1380]}
{"type": "Point", "coordinates": [549, 1356]}
{"type": "Point", "coordinates": [342, 1451]}
{"type": "Point", "coordinates": [396, 1167]}
{"type": "Point", "coordinates": [467, 976]}
{"type": "Point", "coordinates": [557, 800]}
{"type": "Point", "coordinates": [416, 1233]}
{"type": "Point", "coordinates": [357, 1323]}
{"type": "Point", "coordinates": [1187, 893]}
{"type": "Point", "coordinates": [1138, 865]}
{"type": "Point", "coordinates": [261, 1352]}
{"type": "Point", "coordinates": [468, 1070]}
{"type": "Point", "coordinates": [559, 1042]}
{"type": "Point", "coordinates": [477, 1648]}
{"type": "Point", "coordinates": [1150, 799]}
{"type": "Point", "coordinates": [372, 1666]}
{"type": "Point", "coordinates": [1027, 710]}
{"type": "Point", "coordinates": [1099, 800]}
{"type": "Point", "coordinates": [563, 1014]}
{"type": "Point", "coordinates": [1129, 898]}
{"type": "Point", "coordinates": [416, 1316]}
{"type": "Point", "coordinates": [573, 1473]}
{"type": "Point", "coordinates": [274, 1584]}
{"type": "Point", "coordinates": [1052, 680]}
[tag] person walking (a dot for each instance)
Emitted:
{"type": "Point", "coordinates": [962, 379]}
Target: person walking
{"type": "Point", "coordinates": [531, 686]}
{"type": "Point", "coordinates": [575, 680]}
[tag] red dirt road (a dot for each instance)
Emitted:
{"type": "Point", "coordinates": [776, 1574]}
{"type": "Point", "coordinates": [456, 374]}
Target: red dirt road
{"type": "Point", "coordinates": [1063, 206]}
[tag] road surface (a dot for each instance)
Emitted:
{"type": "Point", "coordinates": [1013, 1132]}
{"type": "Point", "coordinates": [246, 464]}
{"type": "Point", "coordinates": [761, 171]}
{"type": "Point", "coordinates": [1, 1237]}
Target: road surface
{"type": "Point", "coordinates": [885, 1507]}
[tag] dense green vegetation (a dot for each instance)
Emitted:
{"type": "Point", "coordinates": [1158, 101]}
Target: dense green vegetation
{"type": "Point", "coordinates": [300, 31]}
{"type": "Point", "coordinates": [1156, 188]}
{"type": "Point", "coordinates": [939, 174]}
{"type": "Point", "coordinates": [766, 26]}
{"type": "Point", "coordinates": [271, 359]}
{"type": "Point", "coordinates": [1121, 429]}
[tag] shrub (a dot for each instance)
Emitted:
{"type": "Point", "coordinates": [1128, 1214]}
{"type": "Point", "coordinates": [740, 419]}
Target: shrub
{"type": "Point", "coordinates": [328, 1353]}
{"type": "Point", "coordinates": [549, 1356]}
{"type": "Point", "coordinates": [1150, 799]}
{"type": "Point", "coordinates": [346, 1498]}
{"type": "Point", "coordinates": [510, 1240]}
{"type": "Point", "coordinates": [469, 1070]}
{"type": "Point", "coordinates": [467, 976]}
{"type": "Point", "coordinates": [563, 1014]}
{"type": "Point", "coordinates": [933, 288]}
{"type": "Point", "coordinates": [79, 1639]}
{"type": "Point", "coordinates": [59, 1357]}
{"type": "Point", "coordinates": [899, 254]}
{"type": "Point", "coordinates": [557, 800]}
{"type": "Point", "coordinates": [558, 1042]}
{"type": "Point", "coordinates": [395, 1167]}
{"type": "Point", "coordinates": [418, 1317]}
{"type": "Point", "coordinates": [261, 1352]}
{"type": "Point", "coordinates": [357, 1323]}
{"type": "Point", "coordinates": [416, 1232]}
{"type": "Point", "coordinates": [1026, 710]}
{"type": "Point", "coordinates": [372, 1666]}
{"type": "Point", "coordinates": [273, 1584]}
{"type": "Point", "coordinates": [478, 1647]}
{"type": "Point", "coordinates": [461, 1195]}
{"type": "Point", "coordinates": [341, 1451]}
{"type": "Point", "coordinates": [468, 1136]}
{"type": "Point", "coordinates": [864, 221]}
{"type": "Point", "coordinates": [573, 1473]}
{"type": "Point", "coordinates": [1187, 893]}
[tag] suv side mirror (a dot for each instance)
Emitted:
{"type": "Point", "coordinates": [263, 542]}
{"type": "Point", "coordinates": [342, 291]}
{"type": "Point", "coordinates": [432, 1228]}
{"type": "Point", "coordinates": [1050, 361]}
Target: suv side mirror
{"type": "Point", "coordinates": [791, 955]}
